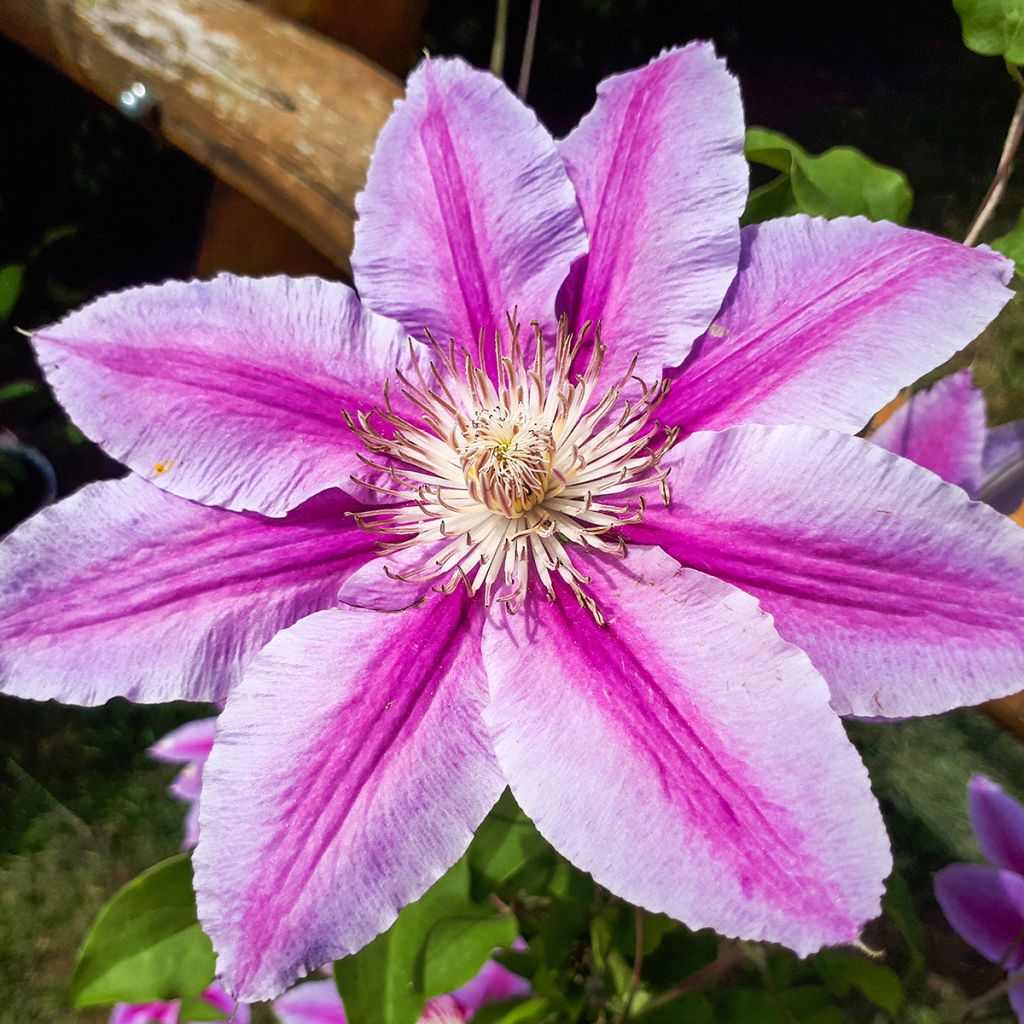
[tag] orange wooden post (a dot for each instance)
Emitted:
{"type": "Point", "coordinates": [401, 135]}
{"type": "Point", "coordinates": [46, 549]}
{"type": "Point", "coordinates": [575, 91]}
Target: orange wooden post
{"type": "Point", "coordinates": [274, 109]}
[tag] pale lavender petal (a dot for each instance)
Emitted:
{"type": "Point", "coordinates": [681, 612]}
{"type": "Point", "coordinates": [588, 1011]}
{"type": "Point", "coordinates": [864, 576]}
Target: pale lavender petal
{"type": "Point", "coordinates": [467, 212]}
{"type": "Point", "coordinates": [1003, 484]}
{"type": "Point", "coordinates": [998, 822]}
{"type": "Point", "coordinates": [942, 429]}
{"type": "Point", "coordinates": [191, 742]}
{"type": "Point", "coordinates": [188, 784]}
{"type": "Point", "coordinates": [361, 733]}
{"type": "Point", "coordinates": [985, 906]}
{"type": "Point", "coordinates": [659, 171]}
{"type": "Point", "coordinates": [229, 392]}
{"type": "Point", "coordinates": [908, 597]}
{"type": "Point", "coordinates": [493, 984]}
{"type": "Point", "coordinates": [313, 1002]}
{"type": "Point", "coordinates": [686, 756]}
{"type": "Point", "coordinates": [125, 590]}
{"type": "Point", "coordinates": [828, 319]}
{"type": "Point", "coordinates": [190, 829]}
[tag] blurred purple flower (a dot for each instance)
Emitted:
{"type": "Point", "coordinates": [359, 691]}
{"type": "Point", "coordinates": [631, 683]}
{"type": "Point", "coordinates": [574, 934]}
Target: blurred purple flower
{"type": "Point", "coordinates": [667, 719]}
{"type": "Point", "coordinates": [985, 905]}
{"type": "Point", "coordinates": [944, 429]}
{"type": "Point", "coordinates": [318, 1002]}
{"type": "Point", "coordinates": [189, 745]}
{"type": "Point", "coordinates": [159, 1012]}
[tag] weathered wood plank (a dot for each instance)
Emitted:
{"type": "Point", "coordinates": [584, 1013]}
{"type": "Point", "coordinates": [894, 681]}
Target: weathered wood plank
{"type": "Point", "coordinates": [275, 110]}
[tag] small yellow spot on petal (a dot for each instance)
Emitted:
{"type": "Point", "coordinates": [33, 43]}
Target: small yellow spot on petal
{"type": "Point", "coordinates": [717, 331]}
{"type": "Point", "coordinates": [162, 467]}
{"type": "Point", "coordinates": [1018, 516]}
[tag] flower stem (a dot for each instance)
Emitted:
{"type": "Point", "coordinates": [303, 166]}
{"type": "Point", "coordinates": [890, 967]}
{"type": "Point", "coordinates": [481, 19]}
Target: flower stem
{"type": "Point", "coordinates": [1014, 135]}
{"type": "Point", "coordinates": [528, 46]}
{"type": "Point", "coordinates": [638, 963]}
{"type": "Point", "coordinates": [500, 33]}
{"type": "Point", "coordinates": [968, 1008]}
{"type": "Point", "coordinates": [709, 973]}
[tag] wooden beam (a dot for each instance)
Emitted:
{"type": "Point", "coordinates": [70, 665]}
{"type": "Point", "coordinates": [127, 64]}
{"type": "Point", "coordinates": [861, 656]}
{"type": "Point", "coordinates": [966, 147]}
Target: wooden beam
{"type": "Point", "coordinates": [283, 115]}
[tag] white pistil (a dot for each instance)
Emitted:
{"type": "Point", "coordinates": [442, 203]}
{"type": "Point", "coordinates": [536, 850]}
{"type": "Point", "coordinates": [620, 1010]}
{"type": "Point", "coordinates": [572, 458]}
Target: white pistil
{"type": "Point", "coordinates": [503, 477]}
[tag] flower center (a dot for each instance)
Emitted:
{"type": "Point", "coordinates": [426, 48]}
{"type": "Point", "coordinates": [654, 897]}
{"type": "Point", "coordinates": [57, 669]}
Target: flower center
{"type": "Point", "coordinates": [496, 480]}
{"type": "Point", "coordinates": [506, 457]}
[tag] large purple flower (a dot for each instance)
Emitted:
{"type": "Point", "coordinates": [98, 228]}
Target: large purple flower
{"type": "Point", "coordinates": [659, 682]}
{"type": "Point", "coordinates": [986, 904]}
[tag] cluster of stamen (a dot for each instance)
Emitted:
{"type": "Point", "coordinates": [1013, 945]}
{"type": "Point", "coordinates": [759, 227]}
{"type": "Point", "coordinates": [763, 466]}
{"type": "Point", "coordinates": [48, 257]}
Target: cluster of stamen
{"type": "Point", "coordinates": [503, 476]}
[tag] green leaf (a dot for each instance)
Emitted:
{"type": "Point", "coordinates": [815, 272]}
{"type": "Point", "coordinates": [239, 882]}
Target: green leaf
{"type": "Point", "coordinates": [993, 28]}
{"type": "Point", "coordinates": [532, 1011]}
{"type": "Point", "coordinates": [691, 1007]}
{"type": "Point", "coordinates": [504, 844]}
{"type": "Point", "coordinates": [459, 945]}
{"type": "Point", "coordinates": [608, 961]}
{"type": "Point", "coordinates": [439, 940]}
{"type": "Point", "coordinates": [842, 971]}
{"type": "Point", "coordinates": [1012, 244]}
{"type": "Point", "coordinates": [839, 182]}
{"type": "Point", "coordinates": [12, 277]}
{"type": "Point", "coordinates": [19, 389]}
{"type": "Point", "coordinates": [196, 1009]}
{"type": "Point", "coordinates": [146, 943]}
{"type": "Point", "coordinates": [899, 908]}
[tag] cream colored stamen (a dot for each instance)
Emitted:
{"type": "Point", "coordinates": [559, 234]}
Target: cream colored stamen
{"type": "Point", "coordinates": [501, 479]}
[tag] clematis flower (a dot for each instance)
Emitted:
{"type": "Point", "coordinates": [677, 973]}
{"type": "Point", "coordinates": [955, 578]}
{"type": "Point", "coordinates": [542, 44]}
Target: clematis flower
{"type": "Point", "coordinates": [642, 606]}
{"type": "Point", "coordinates": [985, 905]}
{"type": "Point", "coordinates": [318, 1002]}
{"type": "Point", "coordinates": [159, 1012]}
{"type": "Point", "coordinates": [944, 429]}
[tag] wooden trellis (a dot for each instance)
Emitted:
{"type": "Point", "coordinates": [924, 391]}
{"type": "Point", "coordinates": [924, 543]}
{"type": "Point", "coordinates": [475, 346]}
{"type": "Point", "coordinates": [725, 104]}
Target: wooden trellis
{"type": "Point", "coordinates": [276, 110]}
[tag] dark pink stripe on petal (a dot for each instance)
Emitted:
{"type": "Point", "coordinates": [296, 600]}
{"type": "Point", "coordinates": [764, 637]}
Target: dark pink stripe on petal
{"type": "Point", "coordinates": [659, 171]}
{"type": "Point", "coordinates": [686, 756]}
{"type": "Point", "coordinates": [908, 597]}
{"type": "Point", "coordinates": [228, 392]}
{"type": "Point", "coordinates": [125, 590]}
{"type": "Point", "coordinates": [467, 211]}
{"type": "Point", "coordinates": [361, 733]}
{"type": "Point", "coordinates": [827, 320]}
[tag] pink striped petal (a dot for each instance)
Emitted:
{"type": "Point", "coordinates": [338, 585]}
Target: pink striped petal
{"type": "Point", "coordinates": [313, 1002]}
{"type": "Point", "coordinates": [443, 1010]}
{"type": "Point", "coordinates": [124, 590]}
{"type": "Point", "coordinates": [908, 598]}
{"type": "Point", "coordinates": [229, 392]}
{"type": "Point", "coordinates": [493, 984]}
{"type": "Point", "coordinates": [998, 822]}
{"type": "Point", "coordinates": [986, 907]}
{"type": "Point", "coordinates": [217, 997]}
{"type": "Point", "coordinates": [145, 1013]}
{"type": "Point", "coordinates": [828, 319]}
{"type": "Point", "coordinates": [189, 743]}
{"type": "Point", "coordinates": [361, 733]}
{"type": "Point", "coordinates": [659, 171]}
{"type": "Point", "coordinates": [467, 211]}
{"type": "Point", "coordinates": [686, 756]}
{"type": "Point", "coordinates": [942, 429]}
